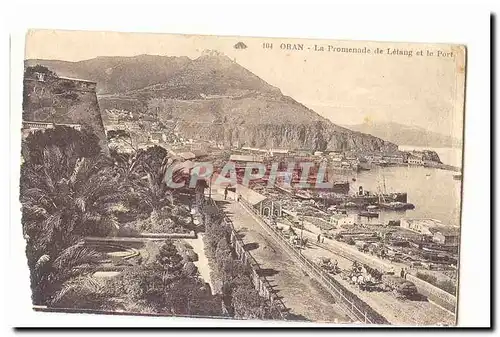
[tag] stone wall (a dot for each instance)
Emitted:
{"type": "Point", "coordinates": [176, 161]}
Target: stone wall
{"type": "Point", "coordinates": [434, 294]}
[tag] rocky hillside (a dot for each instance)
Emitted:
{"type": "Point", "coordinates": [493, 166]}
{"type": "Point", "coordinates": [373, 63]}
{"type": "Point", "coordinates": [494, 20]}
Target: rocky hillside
{"type": "Point", "coordinates": [214, 98]}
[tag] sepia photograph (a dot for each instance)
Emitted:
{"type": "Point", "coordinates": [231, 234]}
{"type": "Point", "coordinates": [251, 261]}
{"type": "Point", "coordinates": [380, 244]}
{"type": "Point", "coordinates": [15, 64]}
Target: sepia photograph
{"type": "Point", "coordinates": [243, 178]}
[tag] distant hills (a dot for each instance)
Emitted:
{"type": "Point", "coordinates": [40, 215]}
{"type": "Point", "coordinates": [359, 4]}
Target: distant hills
{"type": "Point", "coordinates": [211, 98]}
{"type": "Point", "coordinates": [406, 134]}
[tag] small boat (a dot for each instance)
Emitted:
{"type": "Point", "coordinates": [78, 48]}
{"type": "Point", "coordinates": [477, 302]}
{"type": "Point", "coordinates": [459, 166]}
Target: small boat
{"type": "Point", "coordinates": [396, 205]}
{"type": "Point", "coordinates": [369, 214]}
{"type": "Point", "coordinates": [302, 195]}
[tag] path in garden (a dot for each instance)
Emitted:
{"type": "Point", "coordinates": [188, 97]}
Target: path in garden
{"type": "Point", "coordinates": [202, 263]}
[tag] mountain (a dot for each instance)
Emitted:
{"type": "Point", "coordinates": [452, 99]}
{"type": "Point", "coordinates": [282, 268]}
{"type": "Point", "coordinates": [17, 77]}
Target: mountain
{"type": "Point", "coordinates": [115, 74]}
{"type": "Point", "coordinates": [406, 134]}
{"type": "Point", "coordinates": [211, 98]}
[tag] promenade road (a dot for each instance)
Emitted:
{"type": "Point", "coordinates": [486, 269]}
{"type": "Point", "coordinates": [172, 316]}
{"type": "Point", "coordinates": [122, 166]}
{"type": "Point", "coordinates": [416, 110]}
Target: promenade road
{"type": "Point", "coordinates": [305, 297]}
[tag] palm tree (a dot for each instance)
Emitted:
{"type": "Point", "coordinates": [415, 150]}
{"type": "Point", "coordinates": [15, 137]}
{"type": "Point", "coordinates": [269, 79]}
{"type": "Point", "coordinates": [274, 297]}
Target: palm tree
{"type": "Point", "coordinates": [64, 199]}
{"type": "Point", "coordinates": [154, 189]}
{"type": "Point", "coordinates": [62, 277]}
{"type": "Point", "coordinates": [154, 192]}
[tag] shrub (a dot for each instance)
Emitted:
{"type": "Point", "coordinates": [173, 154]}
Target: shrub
{"type": "Point", "coordinates": [192, 256]}
{"type": "Point", "coordinates": [238, 293]}
{"type": "Point", "coordinates": [190, 269]}
{"type": "Point", "coordinates": [427, 278]}
{"type": "Point", "coordinates": [448, 286]}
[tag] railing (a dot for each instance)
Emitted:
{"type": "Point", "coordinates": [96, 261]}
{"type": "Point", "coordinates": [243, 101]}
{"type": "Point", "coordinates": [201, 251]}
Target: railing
{"type": "Point", "coordinates": [353, 305]}
{"type": "Point", "coordinates": [261, 283]}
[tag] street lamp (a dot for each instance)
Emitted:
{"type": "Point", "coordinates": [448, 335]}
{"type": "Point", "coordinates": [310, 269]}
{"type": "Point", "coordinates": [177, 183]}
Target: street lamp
{"type": "Point", "coordinates": [210, 189]}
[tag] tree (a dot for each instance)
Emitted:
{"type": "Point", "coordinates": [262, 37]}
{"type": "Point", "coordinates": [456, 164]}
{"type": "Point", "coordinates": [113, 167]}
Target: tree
{"type": "Point", "coordinates": [247, 303]}
{"type": "Point", "coordinates": [79, 143]}
{"type": "Point", "coordinates": [86, 292]}
{"type": "Point", "coordinates": [30, 72]}
{"type": "Point", "coordinates": [69, 280]}
{"type": "Point", "coordinates": [168, 287]}
{"type": "Point", "coordinates": [152, 159]}
{"type": "Point", "coordinates": [122, 136]}
{"type": "Point", "coordinates": [169, 261]}
{"type": "Point", "coordinates": [64, 197]}
{"type": "Point", "coordinates": [153, 191]}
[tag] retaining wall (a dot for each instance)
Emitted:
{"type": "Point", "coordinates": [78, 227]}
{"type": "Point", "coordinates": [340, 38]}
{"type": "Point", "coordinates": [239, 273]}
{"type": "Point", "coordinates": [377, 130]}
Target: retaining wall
{"type": "Point", "coordinates": [434, 294]}
{"type": "Point", "coordinates": [142, 237]}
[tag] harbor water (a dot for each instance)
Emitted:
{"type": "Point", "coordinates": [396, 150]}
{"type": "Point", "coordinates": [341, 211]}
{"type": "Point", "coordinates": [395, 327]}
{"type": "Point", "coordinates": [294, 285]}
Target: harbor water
{"type": "Point", "coordinates": [434, 192]}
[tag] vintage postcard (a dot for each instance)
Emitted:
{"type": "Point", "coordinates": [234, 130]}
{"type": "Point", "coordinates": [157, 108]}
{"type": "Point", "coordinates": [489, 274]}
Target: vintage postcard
{"type": "Point", "coordinates": [243, 178]}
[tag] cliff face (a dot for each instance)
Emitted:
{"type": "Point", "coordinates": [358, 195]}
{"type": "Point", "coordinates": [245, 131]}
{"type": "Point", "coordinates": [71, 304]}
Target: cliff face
{"type": "Point", "coordinates": [63, 101]}
{"type": "Point", "coordinates": [315, 136]}
{"type": "Point", "coordinates": [431, 155]}
{"type": "Point", "coordinates": [259, 120]}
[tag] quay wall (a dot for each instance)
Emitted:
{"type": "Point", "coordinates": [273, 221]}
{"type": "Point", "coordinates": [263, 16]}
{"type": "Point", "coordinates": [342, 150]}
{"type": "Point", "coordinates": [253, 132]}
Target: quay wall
{"type": "Point", "coordinates": [434, 294]}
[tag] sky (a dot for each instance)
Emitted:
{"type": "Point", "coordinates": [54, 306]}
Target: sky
{"type": "Point", "coordinates": [345, 87]}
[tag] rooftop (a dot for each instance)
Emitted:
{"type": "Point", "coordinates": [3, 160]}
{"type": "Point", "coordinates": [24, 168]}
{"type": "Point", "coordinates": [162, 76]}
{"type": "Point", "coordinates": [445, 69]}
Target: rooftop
{"type": "Point", "coordinates": [156, 135]}
{"type": "Point", "coordinates": [245, 158]}
{"type": "Point", "coordinates": [187, 155]}
{"type": "Point", "coordinates": [252, 197]}
{"type": "Point", "coordinates": [76, 79]}
{"type": "Point", "coordinates": [445, 230]}
{"type": "Point", "coordinates": [425, 221]}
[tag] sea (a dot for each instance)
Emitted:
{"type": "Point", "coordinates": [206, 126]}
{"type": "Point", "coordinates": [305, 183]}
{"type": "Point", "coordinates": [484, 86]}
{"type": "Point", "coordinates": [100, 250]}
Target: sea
{"type": "Point", "coordinates": [434, 192]}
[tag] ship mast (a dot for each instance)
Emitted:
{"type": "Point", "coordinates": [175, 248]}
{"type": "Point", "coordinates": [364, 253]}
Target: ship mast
{"type": "Point", "coordinates": [380, 191]}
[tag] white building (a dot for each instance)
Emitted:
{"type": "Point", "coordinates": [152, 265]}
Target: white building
{"type": "Point", "coordinates": [422, 226]}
